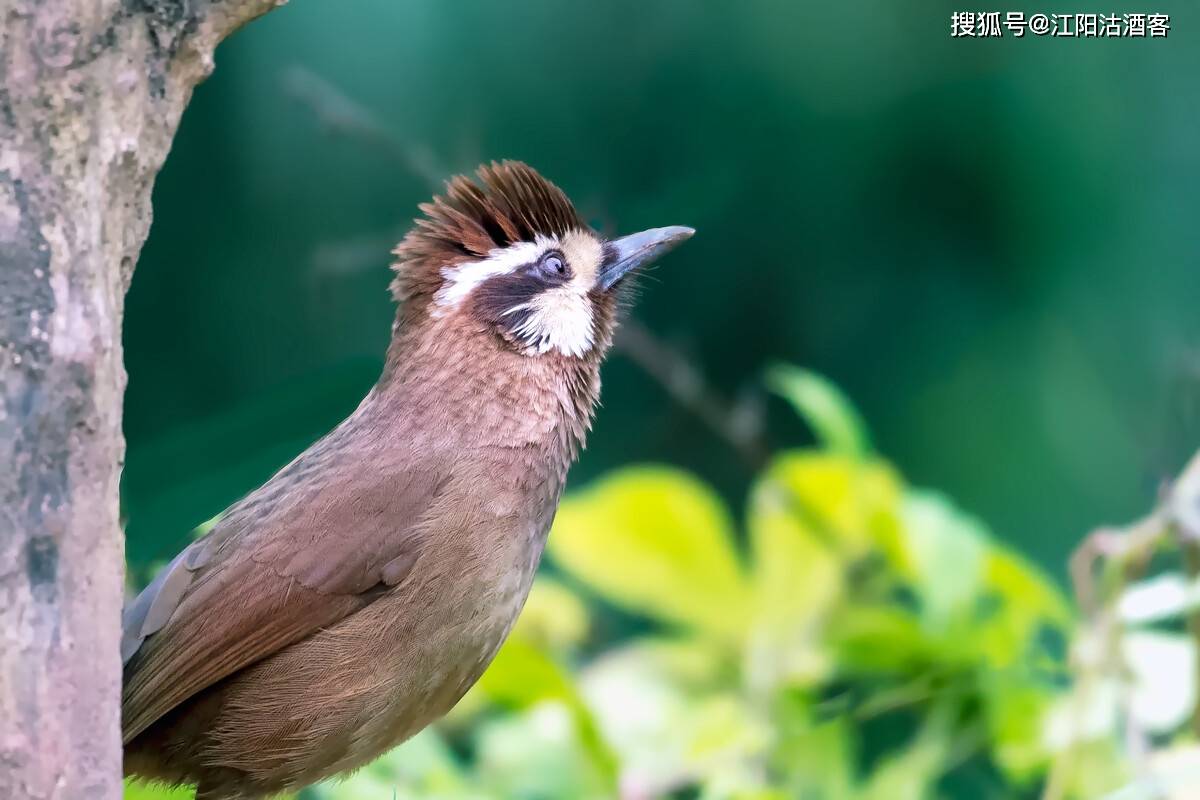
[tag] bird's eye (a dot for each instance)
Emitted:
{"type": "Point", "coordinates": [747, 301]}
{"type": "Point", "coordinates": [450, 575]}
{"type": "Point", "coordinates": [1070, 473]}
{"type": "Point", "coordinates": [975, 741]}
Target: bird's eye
{"type": "Point", "coordinates": [552, 265]}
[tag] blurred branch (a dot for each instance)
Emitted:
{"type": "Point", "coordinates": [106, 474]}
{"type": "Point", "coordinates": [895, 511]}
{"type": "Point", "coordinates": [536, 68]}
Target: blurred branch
{"type": "Point", "coordinates": [340, 258]}
{"type": "Point", "coordinates": [1127, 551]}
{"type": "Point", "coordinates": [1102, 567]}
{"type": "Point", "coordinates": [739, 424]}
{"type": "Point", "coordinates": [341, 116]}
{"type": "Point", "coordinates": [1105, 549]}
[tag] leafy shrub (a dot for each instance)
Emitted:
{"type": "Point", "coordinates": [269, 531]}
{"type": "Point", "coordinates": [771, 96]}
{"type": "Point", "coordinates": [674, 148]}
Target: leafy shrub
{"type": "Point", "coordinates": [854, 638]}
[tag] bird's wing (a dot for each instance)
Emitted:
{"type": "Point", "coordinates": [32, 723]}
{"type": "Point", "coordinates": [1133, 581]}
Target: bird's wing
{"type": "Point", "coordinates": [292, 558]}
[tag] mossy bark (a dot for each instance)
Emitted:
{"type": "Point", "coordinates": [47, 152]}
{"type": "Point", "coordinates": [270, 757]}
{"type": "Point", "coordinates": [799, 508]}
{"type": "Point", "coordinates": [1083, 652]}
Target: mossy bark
{"type": "Point", "coordinates": [91, 92]}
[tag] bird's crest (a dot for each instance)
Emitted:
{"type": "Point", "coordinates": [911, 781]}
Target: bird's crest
{"type": "Point", "coordinates": [510, 203]}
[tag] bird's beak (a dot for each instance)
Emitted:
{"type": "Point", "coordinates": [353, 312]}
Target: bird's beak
{"type": "Point", "coordinates": [630, 252]}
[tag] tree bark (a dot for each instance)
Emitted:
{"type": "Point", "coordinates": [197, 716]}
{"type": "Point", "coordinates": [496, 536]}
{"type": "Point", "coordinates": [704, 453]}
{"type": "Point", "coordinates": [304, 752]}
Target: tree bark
{"type": "Point", "coordinates": [91, 92]}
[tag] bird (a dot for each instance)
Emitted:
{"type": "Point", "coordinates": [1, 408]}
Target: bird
{"type": "Point", "coordinates": [353, 598]}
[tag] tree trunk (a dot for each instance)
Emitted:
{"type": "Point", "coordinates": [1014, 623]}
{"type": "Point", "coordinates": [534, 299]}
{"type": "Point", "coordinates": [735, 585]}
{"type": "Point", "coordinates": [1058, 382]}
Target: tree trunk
{"type": "Point", "coordinates": [91, 92]}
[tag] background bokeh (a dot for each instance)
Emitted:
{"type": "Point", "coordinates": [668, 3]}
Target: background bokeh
{"type": "Point", "coordinates": [990, 246]}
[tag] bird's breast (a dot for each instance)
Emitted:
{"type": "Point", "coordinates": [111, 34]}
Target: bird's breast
{"type": "Point", "coordinates": [450, 617]}
{"type": "Point", "coordinates": [438, 632]}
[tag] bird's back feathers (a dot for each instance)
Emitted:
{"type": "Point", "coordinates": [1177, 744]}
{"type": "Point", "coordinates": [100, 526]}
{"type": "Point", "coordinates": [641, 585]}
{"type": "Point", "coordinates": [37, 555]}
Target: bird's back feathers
{"type": "Point", "coordinates": [295, 556]}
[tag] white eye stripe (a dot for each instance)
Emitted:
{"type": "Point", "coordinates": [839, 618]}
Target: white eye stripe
{"type": "Point", "coordinates": [462, 279]}
{"type": "Point", "coordinates": [558, 317]}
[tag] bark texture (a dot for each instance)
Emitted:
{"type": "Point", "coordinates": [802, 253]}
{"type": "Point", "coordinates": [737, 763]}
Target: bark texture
{"type": "Point", "coordinates": [91, 92]}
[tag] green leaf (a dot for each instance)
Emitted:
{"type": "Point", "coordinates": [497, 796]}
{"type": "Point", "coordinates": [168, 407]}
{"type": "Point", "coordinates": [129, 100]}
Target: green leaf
{"type": "Point", "coordinates": [523, 676]}
{"type": "Point", "coordinates": [813, 758]}
{"type": "Point", "coordinates": [148, 791]}
{"type": "Point", "coordinates": [833, 419]}
{"type": "Point", "coordinates": [912, 773]}
{"type": "Point", "coordinates": [851, 506]}
{"type": "Point", "coordinates": [422, 767]}
{"type": "Point", "coordinates": [554, 618]}
{"type": "Point", "coordinates": [536, 754]}
{"type": "Point", "coordinates": [641, 705]}
{"type": "Point", "coordinates": [203, 528]}
{"type": "Point", "coordinates": [757, 793]}
{"type": "Point", "coordinates": [1016, 713]}
{"type": "Point", "coordinates": [798, 579]}
{"type": "Point", "coordinates": [944, 557]}
{"type": "Point", "coordinates": [882, 639]}
{"type": "Point", "coordinates": [673, 710]}
{"type": "Point", "coordinates": [1095, 768]}
{"type": "Point", "coordinates": [1027, 602]}
{"type": "Point", "coordinates": [658, 542]}
{"type": "Point", "coordinates": [1022, 585]}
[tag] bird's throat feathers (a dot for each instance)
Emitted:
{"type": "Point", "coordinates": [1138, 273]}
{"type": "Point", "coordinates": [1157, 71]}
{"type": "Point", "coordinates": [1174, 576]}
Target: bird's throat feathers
{"type": "Point", "coordinates": [474, 390]}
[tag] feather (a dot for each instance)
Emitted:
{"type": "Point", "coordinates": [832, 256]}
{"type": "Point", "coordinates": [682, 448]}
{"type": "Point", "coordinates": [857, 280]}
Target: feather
{"type": "Point", "coordinates": [293, 557]}
{"type": "Point", "coordinates": [511, 203]}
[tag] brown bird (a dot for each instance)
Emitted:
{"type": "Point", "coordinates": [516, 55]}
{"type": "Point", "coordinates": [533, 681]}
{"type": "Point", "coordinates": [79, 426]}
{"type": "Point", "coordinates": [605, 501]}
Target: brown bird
{"type": "Point", "coordinates": [353, 598]}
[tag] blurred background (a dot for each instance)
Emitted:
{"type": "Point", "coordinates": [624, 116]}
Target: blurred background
{"type": "Point", "coordinates": [989, 245]}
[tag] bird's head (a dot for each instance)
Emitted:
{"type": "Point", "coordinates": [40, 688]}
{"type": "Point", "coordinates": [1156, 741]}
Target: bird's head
{"type": "Point", "coordinates": [508, 256]}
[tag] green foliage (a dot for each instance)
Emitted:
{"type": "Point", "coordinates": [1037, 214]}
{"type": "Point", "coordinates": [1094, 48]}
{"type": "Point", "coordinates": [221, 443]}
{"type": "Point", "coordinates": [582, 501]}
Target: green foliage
{"type": "Point", "coordinates": [851, 600]}
{"type": "Point", "coordinates": [141, 791]}
{"type": "Point", "coordinates": [1131, 716]}
{"type": "Point", "coordinates": [667, 650]}
{"type": "Point", "coordinates": [838, 427]}
{"type": "Point", "coordinates": [655, 541]}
